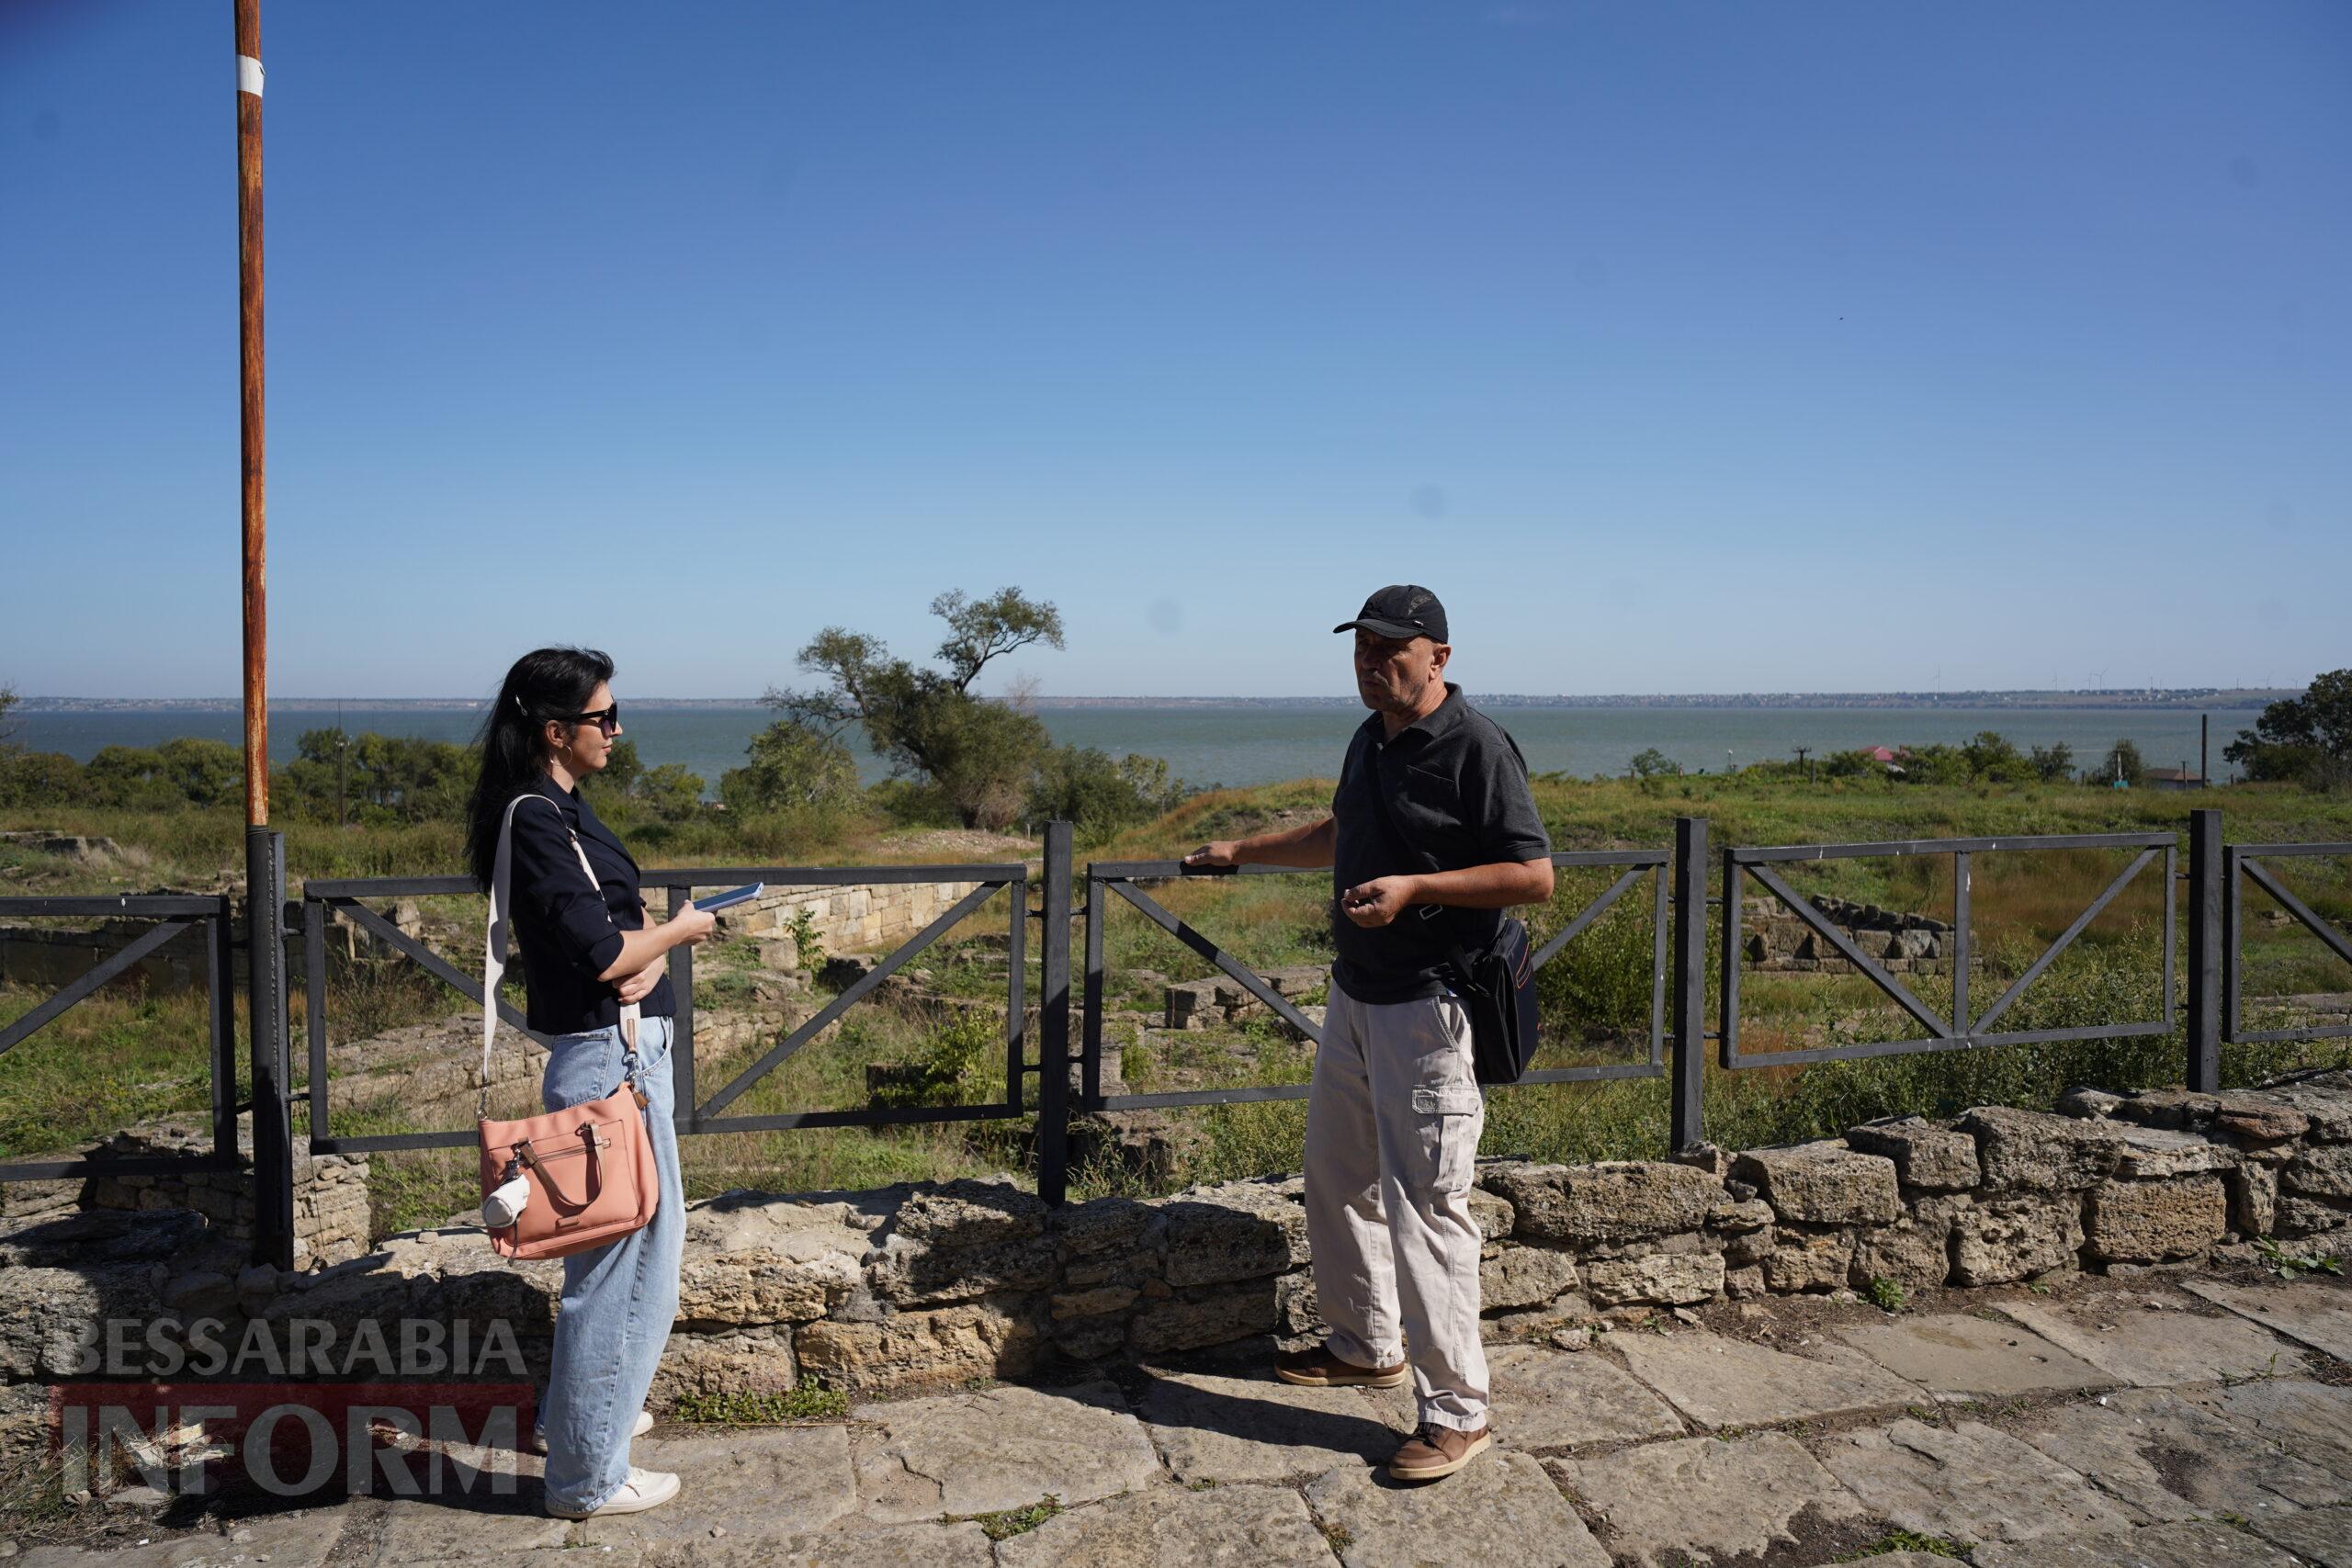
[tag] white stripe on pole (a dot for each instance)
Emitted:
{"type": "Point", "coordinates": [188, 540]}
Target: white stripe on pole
{"type": "Point", "coordinates": [249, 75]}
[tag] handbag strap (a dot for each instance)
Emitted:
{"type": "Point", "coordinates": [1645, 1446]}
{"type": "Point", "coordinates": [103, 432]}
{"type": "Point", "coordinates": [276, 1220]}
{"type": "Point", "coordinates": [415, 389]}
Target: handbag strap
{"type": "Point", "coordinates": [494, 936]}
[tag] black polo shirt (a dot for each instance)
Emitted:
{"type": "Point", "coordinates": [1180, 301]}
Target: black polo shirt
{"type": "Point", "coordinates": [1455, 789]}
{"type": "Point", "coordinates": [570, 930]}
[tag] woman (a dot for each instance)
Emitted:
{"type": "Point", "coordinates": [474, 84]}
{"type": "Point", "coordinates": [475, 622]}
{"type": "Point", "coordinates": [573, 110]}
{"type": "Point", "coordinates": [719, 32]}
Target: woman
{"type": "Point", "coordinates": [587, 951]}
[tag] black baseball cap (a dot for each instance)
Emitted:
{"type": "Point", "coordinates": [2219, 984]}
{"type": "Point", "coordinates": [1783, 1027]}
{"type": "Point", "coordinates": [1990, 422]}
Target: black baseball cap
{"type": "Point", "coordinates": [1402, 610]}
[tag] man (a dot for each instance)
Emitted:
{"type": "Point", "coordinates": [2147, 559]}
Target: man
{"type": "Point", "coordinates": [1432, 834]}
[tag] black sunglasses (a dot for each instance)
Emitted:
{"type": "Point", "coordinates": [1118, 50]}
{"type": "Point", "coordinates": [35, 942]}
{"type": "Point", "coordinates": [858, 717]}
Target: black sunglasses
{"type": "Point", "coordinates": [607, 719]}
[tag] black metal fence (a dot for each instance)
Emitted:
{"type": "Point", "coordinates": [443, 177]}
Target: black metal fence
{"type": "Point", "coordinates": [174, 916]}
{"type": "Point", "coordinates": [1677, 977]}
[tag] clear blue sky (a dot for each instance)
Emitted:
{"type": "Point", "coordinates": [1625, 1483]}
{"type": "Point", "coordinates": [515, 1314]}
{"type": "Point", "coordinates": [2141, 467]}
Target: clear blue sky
{"type": "Point", "coordinates": [1679, 347]}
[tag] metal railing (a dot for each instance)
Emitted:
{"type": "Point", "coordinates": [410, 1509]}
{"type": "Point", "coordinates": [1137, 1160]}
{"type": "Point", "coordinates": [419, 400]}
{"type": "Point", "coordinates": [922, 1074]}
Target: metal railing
{"type": "Point", "coordinates": [173, 915]}
{"type": "Point", "coordinates": [2244, 865]}
{"type": "Point", "coordinates": [1677, 976]}
{"type": "Point", "coordinates": [346, 898]}
{"type": "Point", "coordinates": [1962, 1031]}
{"type": "Point", "coordinates": [1123, 879]}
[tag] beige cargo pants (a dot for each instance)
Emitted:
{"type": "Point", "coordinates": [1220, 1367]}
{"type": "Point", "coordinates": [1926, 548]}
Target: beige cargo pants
{"type": "Point", "coordinates": [1392, 1119]}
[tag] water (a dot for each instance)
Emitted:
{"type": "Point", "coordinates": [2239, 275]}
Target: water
{"type": "Point", "coordinates": [1249, 745]}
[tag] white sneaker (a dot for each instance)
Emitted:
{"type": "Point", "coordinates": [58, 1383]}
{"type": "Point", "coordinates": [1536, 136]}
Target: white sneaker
{"type": "Point", "coordinates": [644, 1489]}
{"type": "Point", "coordinates": [638, 1429]}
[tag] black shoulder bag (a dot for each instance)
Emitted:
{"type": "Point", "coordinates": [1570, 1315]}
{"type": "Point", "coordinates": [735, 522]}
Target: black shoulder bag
{"type": "Point", "coordinates": [1497, 985]}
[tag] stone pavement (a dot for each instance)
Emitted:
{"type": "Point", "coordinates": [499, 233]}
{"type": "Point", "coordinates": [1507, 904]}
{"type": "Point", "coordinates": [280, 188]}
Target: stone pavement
{"type": "Point", "coordinates": [2167, 1420]}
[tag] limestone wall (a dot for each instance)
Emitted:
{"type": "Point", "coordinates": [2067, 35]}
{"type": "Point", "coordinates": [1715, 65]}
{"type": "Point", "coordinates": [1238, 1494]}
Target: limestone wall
{"type": "Point", "coordinates": [847, 920]}
{"type": "Point", "coordinates": [920, 1286]}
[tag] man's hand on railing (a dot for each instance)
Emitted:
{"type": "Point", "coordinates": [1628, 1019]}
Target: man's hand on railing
{"type": "Point", "coordinates": [1223, 852]}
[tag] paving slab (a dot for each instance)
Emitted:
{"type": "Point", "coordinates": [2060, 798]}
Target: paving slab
{"type": "Point", "coordinates": [1256, 1427]}
{"type": "Point", "coordinates": [2173, 1459]}
{"type": "Point", "coordinates": [1719, 1382]}
{"type": "Point", "coordinates": [1226, 1527]}
{"type": "Point", "coordinates": [2130, 1341]}
{"type": "Point", "coordinates": [777, 1480]}
{"type": "Point", "coordinates": [1502, 1508]}
{"type": "Point", "coordinates": [2319, 1315]}
{"type": "Point", "coordinates": [2322, 1536]}
{"type": "Point", "coordinates": [1956, 1356]}
{"type": "Point", "coordinates": [2310, 1421]}
{"type": "Point", "coordinates": [300, 1540]}
{"type": "Point", "coordinates": [1968, 1483]}
{"type": "Point", "coordinates": [959, 1545]}
{"type": "Point", "coordinates": [2207, 1545]}
{"type": "Point", "coordinates": [1000, 1448]}
{"type": "Point", "coordinates": [1556, 1399]}
{"type": "Point", "coordinates": [1701, 1500]}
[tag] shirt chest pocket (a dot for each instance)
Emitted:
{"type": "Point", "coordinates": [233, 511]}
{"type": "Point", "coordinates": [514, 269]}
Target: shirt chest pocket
{"type": "Point", "coordinates": [1429, 807]}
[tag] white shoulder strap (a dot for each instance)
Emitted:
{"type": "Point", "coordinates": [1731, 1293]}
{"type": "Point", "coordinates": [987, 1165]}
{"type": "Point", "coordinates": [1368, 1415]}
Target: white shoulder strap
{"type": "Point", "coordinates": [501, 911]}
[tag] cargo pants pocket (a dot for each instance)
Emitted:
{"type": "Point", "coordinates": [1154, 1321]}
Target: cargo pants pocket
{"type": "Point", "coordinates": [1450, 1121]}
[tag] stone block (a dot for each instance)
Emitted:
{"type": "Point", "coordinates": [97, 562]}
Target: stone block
{"type": "Point", "coordinates": [1823, 1184]}
{"type": "Point", "coordinates": [2016, 1238]}
{"type": "Point", "coordinates": [1494, 1215]}
{"type": "Point", "coordinates": [2150, 1153]}
{"type": "Point", "coordinates": [1664, 1278]}
{"type": "Point", "coordinates": [1524, 1276]}
{"type": "Point", "coordinates": [1615, 1202]}
{"type": "Point", "coordinates": [1215, 1316]}
{"type": "Point", "coordinates": [2254, 1199]}
{"type": "Point", "coordinates": [970, 1213]}
{"type": "Point", "coordinates": [1915, 1256]}
{"type": "Point", "coordinates": [2030, 1151]}
{"type": "Point", "coordinates": [1146, 1530]}
{"type": "Point", "coordinates": [1926, 1155]}
{"type": "Point", "coordinates": [1809, 1259]}
{"type": "Point", "coordinates": [921, 1350]}
{"type": "Point", "coordinates": [1240, 1230]}
{"type": "Point", "coordinates": [2321, 1172]}
{"type": "Point", "coordinates": [2147, 1222]}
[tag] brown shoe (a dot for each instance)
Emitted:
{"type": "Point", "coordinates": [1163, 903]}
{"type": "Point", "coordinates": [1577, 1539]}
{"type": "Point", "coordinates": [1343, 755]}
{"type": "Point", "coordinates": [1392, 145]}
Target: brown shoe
{"type": "Point", "coordinates": [1433, 1452]}
{"type": "Point", "coordinates": [1321, 1369]}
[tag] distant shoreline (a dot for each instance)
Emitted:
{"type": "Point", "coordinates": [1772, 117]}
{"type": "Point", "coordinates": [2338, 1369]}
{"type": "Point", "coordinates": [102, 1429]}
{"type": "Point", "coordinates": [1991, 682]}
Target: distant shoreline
{"type": "Point", "coordinates": [2176, 699]}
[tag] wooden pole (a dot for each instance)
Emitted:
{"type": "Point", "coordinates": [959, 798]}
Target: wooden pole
{"type": "Point", "coordinates": [249, 344]}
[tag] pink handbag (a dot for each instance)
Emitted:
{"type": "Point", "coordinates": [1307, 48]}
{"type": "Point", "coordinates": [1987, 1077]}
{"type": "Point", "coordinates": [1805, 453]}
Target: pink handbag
{"type": "Point", "coordinates": [589, 1167]}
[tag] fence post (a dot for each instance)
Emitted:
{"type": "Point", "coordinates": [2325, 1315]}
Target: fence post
{"type": "Point", "coordinates": [680, 975]}
{"type": "Point", "coordinates": [1690, 978]}
{"type": "Point", "coordinates": [265, 993]}
{"type": "Point", "coordinates": [1053, 1022]}
{"type": "Point", "coordinates": [2207, 951]}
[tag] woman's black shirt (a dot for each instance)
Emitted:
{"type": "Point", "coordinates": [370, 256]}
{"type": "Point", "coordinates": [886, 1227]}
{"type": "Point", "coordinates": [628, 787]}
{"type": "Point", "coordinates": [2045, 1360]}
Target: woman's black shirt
{"type": "Point", "coordinates": [570, 931]}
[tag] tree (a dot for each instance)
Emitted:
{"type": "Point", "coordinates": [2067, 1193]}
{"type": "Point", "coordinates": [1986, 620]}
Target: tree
{"type": "Point", "coordinates": [791, 764]}
{"type": "Point", "coordinates": [2307, 737]}
{"type": "Point", "coordinates": [1651, 762]}
{"type": "Point", "coordinates": [7, 731]}
{"type": "Point", "coordinates": [2052, 764]}
{"type": "Point", "coordinates": [669, 790]}
{"type": "Point", "coordinates": [622, 768]}
{"type": "Point", "coordinates": [1083, 786]}
{"type": "Point", "coordinates": [1993, 758]}
{"type": "Point", "coordinates": [2121, 762]}
{"type": "Point", "coordinates": [980, 754]}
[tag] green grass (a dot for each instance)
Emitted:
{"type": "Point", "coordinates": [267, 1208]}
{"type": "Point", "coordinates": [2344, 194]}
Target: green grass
{"type": "Point", "coordinates": [1006, 1523]}
{"type": "Point", "coordinates": [809, 1401]}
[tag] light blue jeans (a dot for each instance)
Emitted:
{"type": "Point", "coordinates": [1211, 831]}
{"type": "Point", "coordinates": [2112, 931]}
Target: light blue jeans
{"type": "Point", "coordinates": [620, 1299]}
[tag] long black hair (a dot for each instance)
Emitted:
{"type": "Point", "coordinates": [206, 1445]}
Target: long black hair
{"type": "Point", "coordinates": [544, 683]}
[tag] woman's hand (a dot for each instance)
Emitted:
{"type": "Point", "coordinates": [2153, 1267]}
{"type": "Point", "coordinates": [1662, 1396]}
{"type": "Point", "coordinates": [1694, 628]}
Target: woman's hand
{"type": "Point", "coordinates": [635, 988]}
{"type": "Point", "coordinates": [690, 927]}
